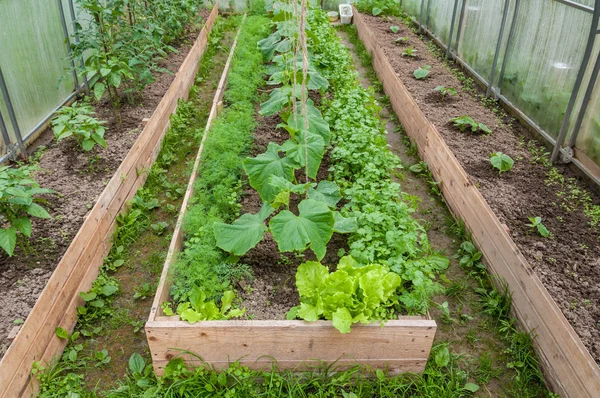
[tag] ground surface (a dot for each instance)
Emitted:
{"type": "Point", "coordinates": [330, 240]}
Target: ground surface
{"type": "Point", "coordinates": [78, 179]}
{"type": "Point", "coordinates": [566, 262]}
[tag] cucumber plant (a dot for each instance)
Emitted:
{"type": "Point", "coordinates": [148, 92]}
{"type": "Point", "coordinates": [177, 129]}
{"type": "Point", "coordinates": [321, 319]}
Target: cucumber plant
{"type": "Point", "coordinates": [463, 123]}
{"type": "Point", "coordinates": [19, 202]}
{"type": "Point", "coordinates": [422, 72]}
{"type": "Point", "coordinates": [536, 224]}
{"type": "Point", "coordinates": [444, 91]}
{"type": "Point", "coordinates": [501, 162]}
{"type": "Point", "coordinates": [410, 52]}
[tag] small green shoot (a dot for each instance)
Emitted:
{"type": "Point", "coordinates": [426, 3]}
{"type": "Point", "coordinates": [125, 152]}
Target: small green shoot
{"type": "Point", "coordinates": [422, 73]}
{"type": "Point", "coordinates": [401, 40]}
{"type": "Point", "coordinates": [502, 162]}
{"type": "Point", "coordinates": [394, 28]}
{"type": "Point", "coordinates": [444, 91]}
{"type": "Point", "coordinates": [410, 52]}
{"type": "Point", "coordinates": [536, 223]}
{"type": "Point", "coordinates": [465, 122]}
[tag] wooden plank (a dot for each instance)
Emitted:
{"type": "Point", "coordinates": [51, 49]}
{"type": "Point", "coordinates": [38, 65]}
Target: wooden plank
{"type": "Point", "coordinates": [400, 345]}
{"type": "Point", "coordinates": [79, 266]}
{"type": "Point", "coordinates": [568, 366]}
{"type": "Point", "coordinates": [162, 291]}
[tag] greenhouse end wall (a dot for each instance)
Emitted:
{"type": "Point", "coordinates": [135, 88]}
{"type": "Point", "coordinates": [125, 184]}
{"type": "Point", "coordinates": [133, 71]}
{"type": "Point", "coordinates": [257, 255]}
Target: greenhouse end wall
{"type": "Point", "coordinates": [543, 60]}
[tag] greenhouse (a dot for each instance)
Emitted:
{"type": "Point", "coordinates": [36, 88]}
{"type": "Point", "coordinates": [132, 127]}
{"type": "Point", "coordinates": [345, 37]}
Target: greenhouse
{"type": "Point", "coordinates": [299, 198]}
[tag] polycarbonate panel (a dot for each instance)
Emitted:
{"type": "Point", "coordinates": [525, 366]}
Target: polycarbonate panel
{"type": "Point", "coordinates": [33, 58]}
{"type": "Point", "coordinates": [440, 18]}
{"type": "Point", "coordinates": [548, 48]}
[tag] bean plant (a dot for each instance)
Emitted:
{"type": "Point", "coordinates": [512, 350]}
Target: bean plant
{"type": "Point", "coordinates": [19, 201]}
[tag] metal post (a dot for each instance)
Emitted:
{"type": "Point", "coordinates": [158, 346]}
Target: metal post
{"type": "Point", "coordinates": [586, 100]}
{"type": "Point", "coordinates": [427, 14]}
{"type": "Point", "coordinates": [498, 46]}
{"type": "Point", "coordinates": [11, 114]}
{"type": "Point", "coordinates": [86, 84]}
{"type": "Point", "coordinates": [460, 23]}
{"type": "Point", "coordinates": [584, 64]}
{"type": "Point", "coordinates": [4, 131]}
{"type": "Point", "coordinates": [421, 16]}
{"type": "Point", "coordinates": [68, 41]}
{"type": "Point", "coordinates": [511, 36]}
{"type": "Point", "coordinates": [451, 29]}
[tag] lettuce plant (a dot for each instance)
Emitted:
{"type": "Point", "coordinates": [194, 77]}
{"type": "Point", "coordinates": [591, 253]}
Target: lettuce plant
{"type": "Point", "coordinates": [348, 295]}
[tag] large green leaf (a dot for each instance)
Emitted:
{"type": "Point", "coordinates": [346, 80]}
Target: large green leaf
{"type": "Point", "coordinates": [308, 146]}
{"type": "Point", "coordinates": [284, 188]}
{"type": "Point", "coordinates": [316, 123]}
{"type": "Point", "coordinates": [344, 225]}
{"type": "Point", "coordinates": [327, 192]}
{"type": "Point", "coordinates": [310, 279]}
{"type": "Point", "coordinates": [279, 98]}
{"type": "Point", "coordinates": [261, 168]}
{"type": "Point", "coordinates": [316, 81]}
{"type": "Point", "coordinates": [23, 224]}
{"type": "Point", "coordinates": [8, 239]}
{"type": "Point", "coordinates": [312, 227]}
{"type": "Point", "coordinates": [244, 233]}
{"type": "Point", "coordinates": [37, 211]}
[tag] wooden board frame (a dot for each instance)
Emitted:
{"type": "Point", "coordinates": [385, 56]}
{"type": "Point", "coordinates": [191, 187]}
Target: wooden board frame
{"type": "Point", "coordinates": [79, 266]}
{"type": "Point", "coordinates": [568, 366]}
{"type": "Point", "coordinates": [402, 345]}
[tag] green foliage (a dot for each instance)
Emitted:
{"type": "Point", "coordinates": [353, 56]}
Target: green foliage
{"type": "Point", "coordinates": [536, 223]}
{"type": "Point", "coordinates": [444, 91]}
{"type": "Point", "coordinates": [501, 162]}
{"type": "Point", "coordinates": [349, 295]}
{"type": "Point", "coordinates": [198, 309]}
{"type": "Point", "coordinates": [409, 52]}
{"type": "Point", "coordinates": [401, 40]}
{"type": "Point", "coordinates": [422, 72]}
{"type": "Point", "coordinates": [379, 7]}
{"type": "Point", "coordinates": [19, 201]}
{"type": "Point", "coordinates": [78, 121]}
{"type": "Point", "coordinates": [469, 256]}
{"type": "Point", "coordinates": [466, 122]}
{"type": "Point", "coordinates": [394, 28]}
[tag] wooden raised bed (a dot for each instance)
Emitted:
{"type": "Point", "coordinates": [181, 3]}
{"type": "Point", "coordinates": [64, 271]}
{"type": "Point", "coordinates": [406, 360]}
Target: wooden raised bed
{"type": "Point", "coordinates": [401, 345]}
{"type": "Point", "coordinates": [78, 268]}
{"type": "Point", "coordinates": [567, 364]}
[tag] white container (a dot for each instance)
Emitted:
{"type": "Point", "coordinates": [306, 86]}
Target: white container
{"type": "Point", "coordinates": [345, 14]}
{"type": "Point", "coordinates": [333, 16]}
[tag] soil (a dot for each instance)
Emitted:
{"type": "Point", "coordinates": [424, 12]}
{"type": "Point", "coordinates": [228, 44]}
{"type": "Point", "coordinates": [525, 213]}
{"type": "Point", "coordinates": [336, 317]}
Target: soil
{"type": "Point", "coordinates": [272, 292]}
{"type": "Point", "coordinates": [567, 261]}
{"type": "Point", "coordinates": [78, 179]}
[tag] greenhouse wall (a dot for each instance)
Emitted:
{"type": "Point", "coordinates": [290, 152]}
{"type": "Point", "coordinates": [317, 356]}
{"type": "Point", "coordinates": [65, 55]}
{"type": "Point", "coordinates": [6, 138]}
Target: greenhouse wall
{"type": "Point", "coordinates": [545, 55]}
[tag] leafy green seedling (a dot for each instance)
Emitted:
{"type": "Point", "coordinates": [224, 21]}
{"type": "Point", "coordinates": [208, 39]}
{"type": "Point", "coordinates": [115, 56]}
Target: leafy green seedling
{"type": "Point", "coordinates": [159, 228]}
{"type": "Point", "coordinates": [422, 72]}
{"type": "Point", "coordinates": [536, 223]}
{"type": "Point", "coordinates": [444, 91]}
{"type": "Point", "coordinates": [409, 52]}
{"type": "Point", "coordinates": [394, 28]}
{"type": "Point", "coordinates": [465, 122]}
{"type": "Point", "coordinates": [79, 121]}
{"type": "Point", "coordinates": [18, 203]}
{"type": "Point", "coordinates": [102, 358]}
{"type": "Point", "coordinates": [502, 162]}
{"type": "Point", "coordinates": [401, 40]}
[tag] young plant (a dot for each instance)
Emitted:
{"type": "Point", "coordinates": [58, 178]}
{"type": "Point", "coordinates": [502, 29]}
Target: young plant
{"type": "Point", "coordinates": [401, 40]}
{"type": "Point", "coordinates": [18, 203]}
{"type": "Point", "coordinates": [502, 162]}
{"type": "Point", "coordinates": [394, 28]}
{"type": "Point", "coordinates": [466, 122]}
{"type": "Point", "coordinates": [536, 224]}
{"type": "Point", "coordinates": [78, 121]}
{"type": "Point", "coordinates": [410, 52]}
{"type": "Point", "coordinates": [444, 91]}
{"type": "Point", "coordinates": [422, 73]}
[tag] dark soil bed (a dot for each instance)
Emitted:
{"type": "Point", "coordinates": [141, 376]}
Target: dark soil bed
{"type": "Point", "coordinates": [273, 291]}
{"type": "Point", "coordinates": [567, 262]}
{"type": "Point", "coordinates": [78, 180]}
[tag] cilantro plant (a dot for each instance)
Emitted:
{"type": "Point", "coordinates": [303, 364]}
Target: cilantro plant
{"type": "Point", "coordinates": [422, 72]}
{"type": "Point", "coordinates": [536, 224]}
{"type": "Point", "coordinates": [463, 123]}
{"type": "Point", "coordinates": [79, 122]}
{"type": "Point", "coordinates": [444, 91]}
{"type": "Point", "coordinates": [19, 201]}
{"type": "Point", "coordinates": [501, 162]}
{"type": "Point", "coordinates": [349, 295]}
